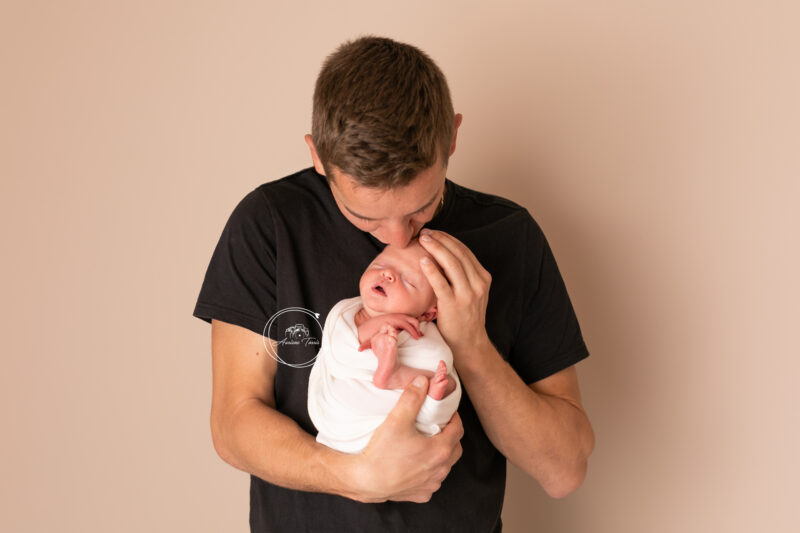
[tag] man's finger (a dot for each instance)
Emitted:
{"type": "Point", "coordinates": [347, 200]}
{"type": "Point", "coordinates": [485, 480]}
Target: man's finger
{"type": "Point", "coordinates": [455, 456]}
{"type": "Point", "coordinates": [463, 261]}
{"type": "Point", "coordinates": [450, 263]}
{"type": "Point", "coordinates": [438, 282]}
{"type": "Point", "coordinates": [410, 402]}
{"type": "Point", "coordinates": [454, 429]}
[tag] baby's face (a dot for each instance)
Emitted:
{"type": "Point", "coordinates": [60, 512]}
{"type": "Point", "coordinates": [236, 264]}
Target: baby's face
{"type": "Point", "coordinates": [395, 283]}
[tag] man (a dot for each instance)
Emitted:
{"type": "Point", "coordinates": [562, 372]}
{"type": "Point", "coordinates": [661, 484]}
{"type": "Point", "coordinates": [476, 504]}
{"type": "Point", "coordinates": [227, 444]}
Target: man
{"type": "Point", "coordinates": [383, 131]}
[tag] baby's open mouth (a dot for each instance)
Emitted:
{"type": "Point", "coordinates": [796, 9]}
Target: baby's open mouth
{"type": "Point", "coordinates": [380, 290]}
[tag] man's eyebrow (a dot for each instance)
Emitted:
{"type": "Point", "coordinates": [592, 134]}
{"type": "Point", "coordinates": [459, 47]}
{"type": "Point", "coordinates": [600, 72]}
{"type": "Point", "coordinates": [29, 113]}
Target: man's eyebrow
{"type": "Point", "coordinates": [412, 213]}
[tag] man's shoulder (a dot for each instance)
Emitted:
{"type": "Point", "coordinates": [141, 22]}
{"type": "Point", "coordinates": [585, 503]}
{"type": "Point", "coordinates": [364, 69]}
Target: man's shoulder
{"type": "Point", "coordinates": [290, 195]}
{"type": "Point", "coordinates": [297, 186]}
{"type": "Point", "coordinates": [473, 209]}
{"type": "Point", "coordinates": [485, 199]}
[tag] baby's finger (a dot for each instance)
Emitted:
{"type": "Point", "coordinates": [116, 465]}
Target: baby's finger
{"type": "Point", "coordinates": [415, 324]}
{"type": "Point", "coordinates": [410, 329]}
{"type": "Point", "coordinates": [401, 322]}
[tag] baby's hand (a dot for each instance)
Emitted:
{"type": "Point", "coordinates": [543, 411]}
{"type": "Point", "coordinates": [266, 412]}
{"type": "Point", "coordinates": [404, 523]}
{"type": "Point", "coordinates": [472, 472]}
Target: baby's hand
{"type": "Point", "coordinates": [384, 343]}
{"type": "Point", "coordinates": [386, 329]}
{"type": "Point", "coordinates": [396, 322]}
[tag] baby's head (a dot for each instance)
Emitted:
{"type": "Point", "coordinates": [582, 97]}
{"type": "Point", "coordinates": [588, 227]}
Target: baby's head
{"type": "Point", "coordinates": [395, 283]}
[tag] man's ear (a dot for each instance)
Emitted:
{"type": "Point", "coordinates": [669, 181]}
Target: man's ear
{"type": "Point", "coordinates": [430, 314]}
{"type": "Point", "coordinates": [314, 157]}
{"type": "Point", "coordinates": [459, 118]}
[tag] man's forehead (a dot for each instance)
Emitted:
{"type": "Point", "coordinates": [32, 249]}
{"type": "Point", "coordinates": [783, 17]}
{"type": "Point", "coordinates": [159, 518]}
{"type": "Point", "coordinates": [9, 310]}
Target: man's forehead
{"type": "Point", "coordinates": [348, 183]}
{"type": "Point", "coordinates": [372, 204]}
{"type": "Point", "coordinates": [351, 186]}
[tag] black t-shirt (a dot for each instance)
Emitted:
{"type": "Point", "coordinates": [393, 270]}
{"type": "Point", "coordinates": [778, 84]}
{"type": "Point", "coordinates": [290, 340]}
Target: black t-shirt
{"type": "Point", "coordinates": [287, 253]}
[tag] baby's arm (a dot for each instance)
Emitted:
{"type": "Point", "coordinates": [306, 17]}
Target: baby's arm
{"type": "Point", "coordinates": [390, 374]}
{"type": "Point", "coordinates": [368, 329]}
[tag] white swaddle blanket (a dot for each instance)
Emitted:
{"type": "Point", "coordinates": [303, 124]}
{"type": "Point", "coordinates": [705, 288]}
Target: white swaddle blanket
{"type": "Point", "coordinates": [343, 403]}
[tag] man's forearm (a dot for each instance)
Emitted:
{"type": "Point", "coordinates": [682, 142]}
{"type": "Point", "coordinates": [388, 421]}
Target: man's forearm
{"type": "Point", "coordinates": [261, 441]}
{"type": "Point", "coordinates": [548, 437]}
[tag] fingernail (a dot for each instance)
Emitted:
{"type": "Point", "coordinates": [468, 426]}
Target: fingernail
{"type": "Point", "coordinates": [425, 231]}
{"type": "Point", "coordinates": [426, 238]}
{"type": "Point", "coordinates": [425, 261]}
{"type": "Point", "coordinates": [419, 382]}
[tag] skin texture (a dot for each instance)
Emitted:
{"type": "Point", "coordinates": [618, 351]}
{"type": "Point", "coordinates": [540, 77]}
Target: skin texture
{"type": "Point", "coordinates": [540, 427]}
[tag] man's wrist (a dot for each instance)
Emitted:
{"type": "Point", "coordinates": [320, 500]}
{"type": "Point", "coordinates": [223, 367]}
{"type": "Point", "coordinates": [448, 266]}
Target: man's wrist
{"type": "Point", "coordinates": [475, 356]}
{"type": "Point", "coordinates": [342, 471]}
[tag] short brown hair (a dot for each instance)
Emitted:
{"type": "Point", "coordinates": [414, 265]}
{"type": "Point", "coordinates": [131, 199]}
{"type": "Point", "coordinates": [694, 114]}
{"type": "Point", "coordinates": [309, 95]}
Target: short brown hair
{"type": "Point", "coordinates": [382, 112]}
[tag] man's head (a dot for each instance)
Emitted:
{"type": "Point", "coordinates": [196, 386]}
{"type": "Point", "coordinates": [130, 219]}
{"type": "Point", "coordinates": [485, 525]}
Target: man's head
{"type": "Point", "coordinates": [382, 112]}
{"type": "Point", "coordinates": [395, 283]}
{"type": "Point", "coordinates": [383, 131]}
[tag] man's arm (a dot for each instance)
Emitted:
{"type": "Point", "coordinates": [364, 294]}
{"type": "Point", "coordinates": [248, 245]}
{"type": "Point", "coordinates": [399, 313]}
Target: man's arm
{"type": "Point", "coordinates": [249, 434]}
{"type": "Point", "coordinates": [541, 427]}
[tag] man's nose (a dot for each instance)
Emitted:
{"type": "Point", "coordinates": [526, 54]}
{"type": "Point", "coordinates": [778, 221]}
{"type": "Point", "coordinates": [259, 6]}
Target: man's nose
{"type": "Point", "coordinates": [400, 234]}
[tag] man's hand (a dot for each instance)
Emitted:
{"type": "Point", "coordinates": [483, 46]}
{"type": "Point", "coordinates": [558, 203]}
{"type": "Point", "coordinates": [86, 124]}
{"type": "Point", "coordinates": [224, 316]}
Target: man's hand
{"type": "Point", "coordinates": [402, 464]}
{"type": "Point", "coordinates": [554, 448]}
{"type": "Point", "coordinates": [369, 328]}
{"type": "Point", "coordinates": [461, 301]}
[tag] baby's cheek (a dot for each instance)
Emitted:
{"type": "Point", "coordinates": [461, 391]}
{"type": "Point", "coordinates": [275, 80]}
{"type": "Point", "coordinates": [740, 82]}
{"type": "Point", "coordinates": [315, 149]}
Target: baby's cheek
{"type": "Point", "coordinates": [431, 297]}
{"type": "Point", "coordinates": [363, 285]}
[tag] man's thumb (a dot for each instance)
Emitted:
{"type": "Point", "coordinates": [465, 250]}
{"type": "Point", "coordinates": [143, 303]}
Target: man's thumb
{"type": "Point", "coordinates": [408, 406]}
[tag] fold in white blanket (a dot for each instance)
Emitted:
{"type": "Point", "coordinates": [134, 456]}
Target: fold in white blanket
{"type": "Point", "coordinates": [343, 403]}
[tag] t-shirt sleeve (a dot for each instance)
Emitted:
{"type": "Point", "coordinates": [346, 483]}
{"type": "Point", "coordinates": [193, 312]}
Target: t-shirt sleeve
{"type": "Point", "coordinates": [549, 337]}
{"type": "Point", "coordinates": [239, 285]}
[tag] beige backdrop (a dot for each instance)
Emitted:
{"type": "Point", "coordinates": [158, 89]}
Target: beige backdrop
{"type": "Point", "coordinates": [655, 142]}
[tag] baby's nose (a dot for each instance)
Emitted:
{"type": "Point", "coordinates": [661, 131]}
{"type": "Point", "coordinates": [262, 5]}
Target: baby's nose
{"type": "Point", "coordinates": [388, 275]}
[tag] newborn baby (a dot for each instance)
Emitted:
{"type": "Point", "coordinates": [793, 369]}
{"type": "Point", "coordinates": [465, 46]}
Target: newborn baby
{"type": "Point", "coordinates": [373, 345]}
{"type": "Point", "coordinates": [396, 295]}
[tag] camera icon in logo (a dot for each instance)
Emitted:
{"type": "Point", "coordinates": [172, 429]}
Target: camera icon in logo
{"type": "Point", "coordinates": [297, 332]}
{"type": "Point", "coordinates": [300, 342]}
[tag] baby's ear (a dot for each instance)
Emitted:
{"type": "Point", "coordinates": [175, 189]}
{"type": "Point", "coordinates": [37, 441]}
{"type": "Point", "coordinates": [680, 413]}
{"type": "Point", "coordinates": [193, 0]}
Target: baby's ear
{"type": "Point", "coordinates": [429, 315]}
